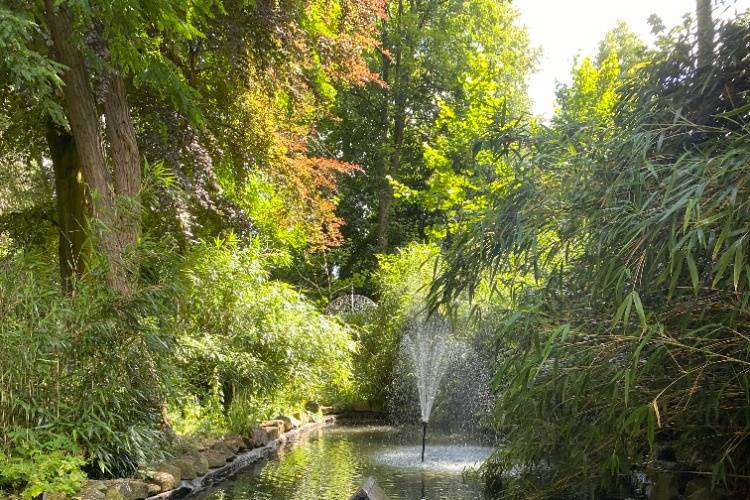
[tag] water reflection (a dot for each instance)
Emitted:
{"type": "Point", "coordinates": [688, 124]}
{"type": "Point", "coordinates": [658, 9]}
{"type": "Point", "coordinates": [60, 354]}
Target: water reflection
{"type": "Point", "coordinates": [332, 464]}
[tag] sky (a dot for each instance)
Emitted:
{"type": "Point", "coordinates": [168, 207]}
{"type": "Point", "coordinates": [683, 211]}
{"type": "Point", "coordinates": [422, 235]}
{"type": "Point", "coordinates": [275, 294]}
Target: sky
{"type": "Point", "coordinates": [565, 28]}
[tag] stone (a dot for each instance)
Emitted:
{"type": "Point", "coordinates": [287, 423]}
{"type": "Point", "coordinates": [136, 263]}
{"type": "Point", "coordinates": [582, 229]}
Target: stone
{"type": "Point", "coordinates": [289, 422]}
{"type": "Point", "coordinates": [164, 480]}
{"type": "Point", "coordinates": [128, 489]}
{"type": "Point", "coordinates": [214, 458]}
{"type": "Point", "coordinates": [328, 410]}
{"type": "Point", "coordinates": [96, 484]}
{"type": "Point", "coordinates": [249, 443]}
{"type": "Point", "coordinates": [113, 495]}
{"type": "Point", "coordinates": [274, 423]}
{"type": "Point", "coordinates": [700, 489]}
{"type": "Point", "coordinates": [312, 407]}
{"type": "Point", "coordinates": [200, 463]}
{"type": "Point", "coordinates": [154, 489]}
{"type": "Point", "coordinates": [664, 486]}
{"type": "Point", "coordinates": [234, 442]}
{"type": "Point", "coordinates": [186, 466]}
{"type": "Point", "coordinates": [172, 470]}
{"type": "Point", "coordinates": [301, 417]}
{"type": "Point", "coordinates": [89, 494]}
{"type": "Point", "coordinates": [223, 449]}
{"type": "Point", "coordinates": [262, 435]}
{"type": "Point", "coordinates": [697, 484]}
{"type": "Point", "coordinates": [369, 491]}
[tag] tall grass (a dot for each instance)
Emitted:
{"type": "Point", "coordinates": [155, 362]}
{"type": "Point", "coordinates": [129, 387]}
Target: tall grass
{"type": "Point", "coordinates": [632, 338]}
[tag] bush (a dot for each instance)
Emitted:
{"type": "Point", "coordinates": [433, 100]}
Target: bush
{"type": "Point", "coordinates": [401, 281]}
{"type": "Point", "coordinates": [86, 365]}
{"type": "Point", "coordinates": [629, 347]}
{"type": "Point", "coordinates": [41, 464]}
{"type": "Point", "coordinates": [255, 344]}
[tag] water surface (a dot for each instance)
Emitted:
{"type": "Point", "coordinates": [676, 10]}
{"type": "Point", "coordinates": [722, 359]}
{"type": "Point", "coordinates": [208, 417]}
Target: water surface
{"type": "Point", "coordinates": [332, 463]}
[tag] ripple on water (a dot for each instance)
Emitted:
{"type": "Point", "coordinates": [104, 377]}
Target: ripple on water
{"type": "Point", "coordinates": [333, 463]}
{"type": "Point", "coordinates": [437, 458]}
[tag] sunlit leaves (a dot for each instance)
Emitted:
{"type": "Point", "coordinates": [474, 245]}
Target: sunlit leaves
{"type": "Point", "coordinates": [631, 211]}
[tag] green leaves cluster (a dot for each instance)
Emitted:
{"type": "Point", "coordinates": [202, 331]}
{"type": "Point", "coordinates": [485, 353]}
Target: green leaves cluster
{"type": "Point", "coordinates": [450, 69]}
{"type": "Point", "coordinates": [211, 327]}
{"type": "Point", "coordinates": [255, 340]}
{"type": "Point", "coordinates": [630, 213]}
{"type": "Point", "coordinates": [42, 464]}
{"type": "Point", "coordinates": [85, 366]}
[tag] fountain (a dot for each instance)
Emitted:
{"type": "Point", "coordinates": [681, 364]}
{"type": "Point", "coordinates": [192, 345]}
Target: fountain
{"type": "Point", "coordinates": [438, 380]}
{"type": "Point", "coordinates": [428, 345]}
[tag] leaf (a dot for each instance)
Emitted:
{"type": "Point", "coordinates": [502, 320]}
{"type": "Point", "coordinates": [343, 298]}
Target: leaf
{"type": "Point", "coordinates": [736, 111]}
{"type": "Point", "coordinates": [639, 308]}
{"type": "Point", "coordinates": [656, 413]}
{"type": "Point", "coordinates": [739, 257]}
{"type": "Point", "coordinates": [694, 278]}
{"type": "Point", "coordinates": [628, 382]}
{"type": "Point", "coordinates": [623, 311]}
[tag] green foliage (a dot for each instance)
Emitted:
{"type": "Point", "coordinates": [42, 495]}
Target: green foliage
{"type": "Point", "coordinates": [86, 365]}
{"type": "Point", "coordinates": [254, 342]}
{"type": "Point", "coordinates": [25, 67]}
{"type": "Point", "coordinates": [402, 281]}
{"type": "Point", "coordinates": [41, 463]}
{"type": "Point", "coordinates": [101, 369]}
{"type": "Point", "coordinates": [450, 68]}
{"type": "Point", "coordinates": [630, 213]}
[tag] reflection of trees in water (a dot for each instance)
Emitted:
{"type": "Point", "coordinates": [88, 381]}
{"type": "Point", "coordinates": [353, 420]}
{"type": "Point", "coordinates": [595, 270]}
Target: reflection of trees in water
{"type": "Point", "coordinates": [334, 465]}
{"type": "Point", "coordinates": [320, 468]}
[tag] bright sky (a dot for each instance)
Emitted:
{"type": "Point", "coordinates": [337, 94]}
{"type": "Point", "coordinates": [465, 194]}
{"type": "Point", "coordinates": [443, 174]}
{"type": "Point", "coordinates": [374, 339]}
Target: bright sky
{"type": "Point", "coordinates": [564, 28]}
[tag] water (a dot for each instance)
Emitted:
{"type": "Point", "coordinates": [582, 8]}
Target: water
{"type": "Point", "coordinates": [428, 345]}
{"type": "Point", "coordinates": [331, 464]}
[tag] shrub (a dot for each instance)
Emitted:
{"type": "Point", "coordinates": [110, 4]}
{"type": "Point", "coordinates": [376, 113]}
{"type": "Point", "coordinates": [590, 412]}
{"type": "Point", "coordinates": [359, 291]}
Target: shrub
{"type": "Point", "coordinates": [85, 365]}
{"type": "Point", "coordinates": [41, 463]}
{"type": "Point", "coordinates": [254, 343]}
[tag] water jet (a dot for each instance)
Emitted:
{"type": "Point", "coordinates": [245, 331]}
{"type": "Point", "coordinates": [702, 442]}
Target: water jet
{"type": "Point", "coordinates": [428, 345]}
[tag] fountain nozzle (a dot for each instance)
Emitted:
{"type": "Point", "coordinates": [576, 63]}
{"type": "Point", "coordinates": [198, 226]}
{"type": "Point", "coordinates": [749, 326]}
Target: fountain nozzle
{"type": "Point", "coordinates": [424, 437]}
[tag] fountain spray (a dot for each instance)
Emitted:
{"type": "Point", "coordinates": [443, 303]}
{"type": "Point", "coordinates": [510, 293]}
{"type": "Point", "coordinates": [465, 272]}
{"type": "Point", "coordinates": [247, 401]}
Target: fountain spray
{"type": "Point", "coordinates": [428, 345]}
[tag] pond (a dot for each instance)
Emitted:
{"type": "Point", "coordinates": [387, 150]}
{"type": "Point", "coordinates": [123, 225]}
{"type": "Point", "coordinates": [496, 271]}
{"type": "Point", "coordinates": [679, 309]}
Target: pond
{"type": "Point", "coordinates": [332, 463]}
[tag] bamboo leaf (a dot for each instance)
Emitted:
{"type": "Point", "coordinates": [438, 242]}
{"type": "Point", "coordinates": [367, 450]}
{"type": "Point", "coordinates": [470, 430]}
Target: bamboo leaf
{"type": "Point", "coordinates": [694, 278]}
{"type": "Point", "coordinates": [739, 257]}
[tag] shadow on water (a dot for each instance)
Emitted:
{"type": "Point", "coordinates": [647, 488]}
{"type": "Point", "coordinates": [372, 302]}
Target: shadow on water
{"type": "Point", "coordinates": [331, 464]}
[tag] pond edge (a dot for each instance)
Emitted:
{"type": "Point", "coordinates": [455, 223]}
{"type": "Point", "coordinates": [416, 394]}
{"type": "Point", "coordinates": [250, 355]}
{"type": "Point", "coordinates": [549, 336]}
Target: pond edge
{"type": "Point", "coordinates": [240, 461]}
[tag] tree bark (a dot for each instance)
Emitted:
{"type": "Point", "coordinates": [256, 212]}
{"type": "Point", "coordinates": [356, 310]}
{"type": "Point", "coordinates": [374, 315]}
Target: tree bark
{"type": "Point", "coordinates": [80, 106]}
{"type": "Point", "coordinates": [384, 188]}
{"type": "Point", "coordinates": [71, 204]}
{"type": "Point", "coordinates": [705, 33]}
{"type": "Point", "coordinates": [392, 165]}
{"type": "Point", "coordinates": [126, 158]}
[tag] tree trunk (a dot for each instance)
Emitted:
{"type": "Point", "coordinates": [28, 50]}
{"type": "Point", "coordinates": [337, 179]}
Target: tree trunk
{"type": "Point", "coordinates": [705, 33]}
{"type": "Point", "coordinates": [385, 195]}
{"type": "Point", "coordinates": [228, 391]}
{"type": "Point", "coordinates": [385, 200]}
{"type": "Point", "coordinates": [384, 188]}
{"type": "Point", "coordinates": [126, 159]}
{"type": "Point", "coordinates": [71, 204]}
{"type": "Point", "coordinates": [390, 168]}
{"type": "Point", "coordinates": [80, 107]}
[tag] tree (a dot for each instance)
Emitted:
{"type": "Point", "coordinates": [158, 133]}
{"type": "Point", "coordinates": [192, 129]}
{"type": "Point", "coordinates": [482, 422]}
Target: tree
{"type": "Point", "coordinates": [438, 59]}
{"type": "Point", "coordinates": [117, 236]}
{"type": "Point", "coordinates": [87, 71]}
{"type": "Point", "coordinates": [705, 32]}
{"type": "Point", "coordinates": [71, 203]}
{"type": "Point", "coordinates": [247, 53]}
